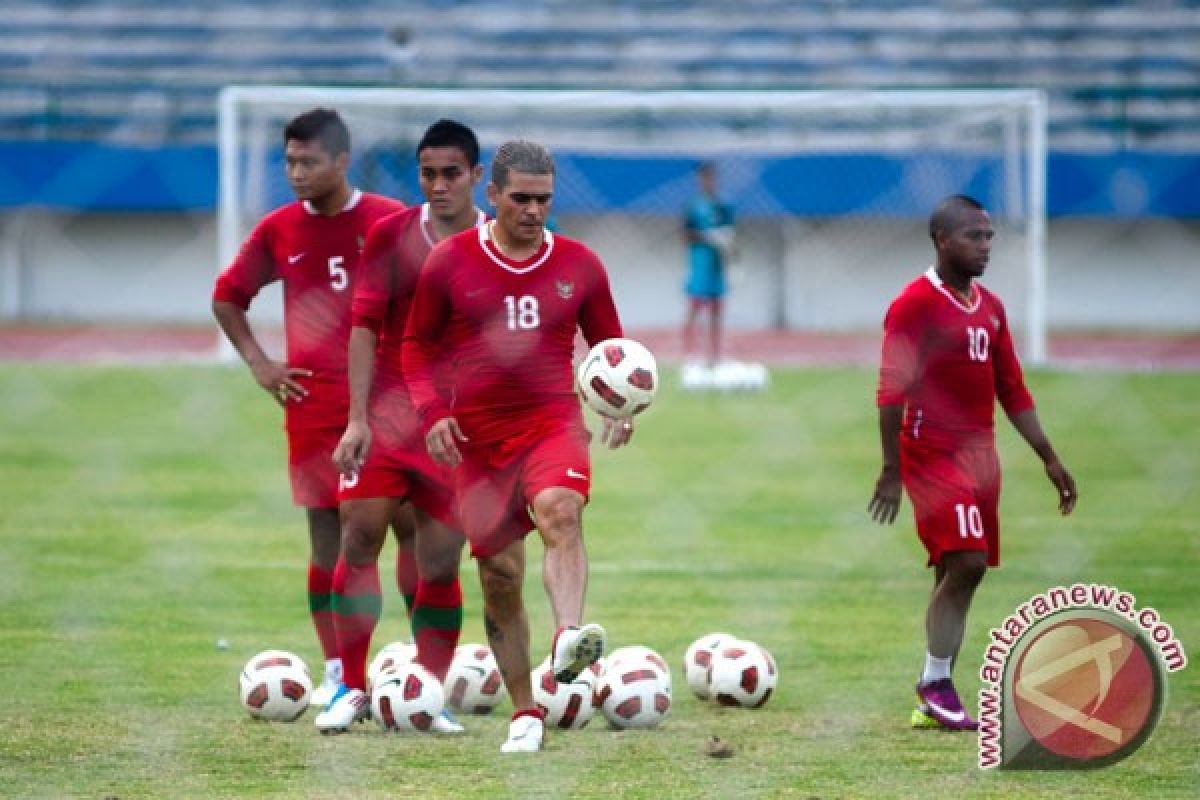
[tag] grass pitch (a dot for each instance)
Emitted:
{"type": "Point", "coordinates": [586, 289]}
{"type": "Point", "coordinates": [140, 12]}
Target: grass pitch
{"type": "Point", "coordinates": [144, 514]}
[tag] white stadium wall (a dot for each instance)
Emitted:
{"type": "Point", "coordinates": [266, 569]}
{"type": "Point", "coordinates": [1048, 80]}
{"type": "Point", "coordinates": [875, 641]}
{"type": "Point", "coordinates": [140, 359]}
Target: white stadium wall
{"type": "Point", "coordinates": [1136, 275]}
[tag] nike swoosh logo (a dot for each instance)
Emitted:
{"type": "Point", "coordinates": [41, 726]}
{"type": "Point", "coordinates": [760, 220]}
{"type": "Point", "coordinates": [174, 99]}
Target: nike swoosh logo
{"type": "Point", "coordinates": [295, 258]}
{"type": "Point", "coordinates": [480, 670]}
{"type": "Point", "coordinates": [476, 292]}
{"type": "Point", "coordinates": [573, 474]}
{"type": "Point", "coordinates": [953, 716]}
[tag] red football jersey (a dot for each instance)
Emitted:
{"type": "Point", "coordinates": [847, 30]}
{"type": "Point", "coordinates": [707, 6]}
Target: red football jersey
{"type": "Point", "coordinates": [397, 246]}
{"type": "Point", "coordinates": [508, 328]}
{"type": "Point", "coordinates": [316, 257]}
{"type": "Point", "coordinates": [949, 362]}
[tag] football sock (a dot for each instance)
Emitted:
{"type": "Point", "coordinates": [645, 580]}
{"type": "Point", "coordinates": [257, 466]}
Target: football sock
{"type": "Point", "coordinates": [320, 583]}
{"type": "Point", "coordinates": [356, 608]}
{"type": "Point", "coordinates": [333, 669]}
{"type": "Point", "coordinates": [407, 577]}
{"type": "Point", "coordinates": [436, 624]}
{"type": "Point", "coordinates": [935, 668]}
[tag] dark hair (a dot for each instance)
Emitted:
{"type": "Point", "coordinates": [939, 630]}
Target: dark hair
{"type": "Point", "coordinates": [520, 155]}
{"type": "Point", "coordinates": [450, 133]}
{"type": "Point", "coordinates": [321, 124]}
{"type": "Point", "coordinates": [946, 216]}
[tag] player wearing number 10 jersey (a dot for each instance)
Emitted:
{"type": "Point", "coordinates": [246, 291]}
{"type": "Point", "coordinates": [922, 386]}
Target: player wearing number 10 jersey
{"type": "Point", "coordinates": [312, 245]}
{"type": "Point", "coordinates": [947, 358]}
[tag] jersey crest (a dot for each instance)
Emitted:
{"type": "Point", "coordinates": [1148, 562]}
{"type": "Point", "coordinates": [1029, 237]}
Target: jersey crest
{"type": "Point", "coordinates": [565, 289]}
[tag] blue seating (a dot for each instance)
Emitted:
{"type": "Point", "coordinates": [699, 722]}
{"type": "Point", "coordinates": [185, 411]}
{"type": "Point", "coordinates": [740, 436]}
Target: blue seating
{"type": "Point", "coordinates": [141, 71]}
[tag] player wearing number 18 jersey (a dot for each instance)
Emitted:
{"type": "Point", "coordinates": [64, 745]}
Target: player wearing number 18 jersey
{"type": "Point", "coordinates": [947, 358]}
{"type": "Point", "coordinates": [503, 305]}
{"type": "Point", "coordinates": [312, 245]}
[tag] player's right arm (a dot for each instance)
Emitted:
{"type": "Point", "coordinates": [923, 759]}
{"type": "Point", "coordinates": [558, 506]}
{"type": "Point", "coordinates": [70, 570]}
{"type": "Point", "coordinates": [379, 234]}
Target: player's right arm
{"type": "Point", "coordinates": [235, 289]}
{"type": "Point", "coordinates": [369, 307]}
{"type": "Point", "coordinates": [427, 320]}
{"type": "Point", "coordinates": [897, 372]}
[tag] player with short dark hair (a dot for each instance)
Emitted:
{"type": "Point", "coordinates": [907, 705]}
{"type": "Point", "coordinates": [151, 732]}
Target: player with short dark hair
{"type": "Point", "coordinates": [503, 305]}
{"type": "Point", "coordinates": [382, 453]}
{"type": "Point", "coordinates": [312, 245]}
{"type": "Point", "coordinates": [948, 356]}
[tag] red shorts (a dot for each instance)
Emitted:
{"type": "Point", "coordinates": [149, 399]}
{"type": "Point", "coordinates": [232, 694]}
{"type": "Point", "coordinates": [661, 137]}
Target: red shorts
{"type": "Point", "coordinates": [496, 491]}
{"type": "Point", "coordinates": [310, 466]}
{"type": "Point", "coordinates": [955, 496]}
{"type": "Point", "coordinates": [398, 465]}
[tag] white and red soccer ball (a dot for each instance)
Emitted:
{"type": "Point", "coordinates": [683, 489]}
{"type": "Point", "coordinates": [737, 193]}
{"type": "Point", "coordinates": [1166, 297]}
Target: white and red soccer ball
{"type": "Point", "coordinates": [697, 659]}
{"type": "Point", "coordinates": [568, 706]}
{"type": "Point", "coordinates": [389, 657]}
{"type": "Point", "coordinates": [634, 692]}
{"type": "Point", "coordinates": [742, 673]}
{"type": "Point", "coordinates": [407, 697]}
{"type": "Point", "coordinates": [618, 378]}
{"type": "Point", "coordinates": [473, 683]}
{"type": "Point", "coordinates": [275, 685]}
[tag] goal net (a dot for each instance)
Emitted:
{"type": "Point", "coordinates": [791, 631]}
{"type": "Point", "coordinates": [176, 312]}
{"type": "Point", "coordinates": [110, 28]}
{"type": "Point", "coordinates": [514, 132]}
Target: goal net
{"type": "Point", "coordinates": [831, 190]}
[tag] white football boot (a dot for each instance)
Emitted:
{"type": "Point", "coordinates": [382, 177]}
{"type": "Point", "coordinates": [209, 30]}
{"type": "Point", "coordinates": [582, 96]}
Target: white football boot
{"type": "Point", "coordinates": [575, 649]}
{"type": "Point", "coordinates": [323, 694]}
{"type": "Point", "coordinates": [525, 735]}
{"type": "Point", "coordinates": [347, 707]}
{"type": "Point", "coordinates": [446, 723]}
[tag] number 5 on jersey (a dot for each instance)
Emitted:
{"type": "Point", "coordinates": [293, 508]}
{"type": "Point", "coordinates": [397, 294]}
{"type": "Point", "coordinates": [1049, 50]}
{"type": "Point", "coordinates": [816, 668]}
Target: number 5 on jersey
{"type": "Point", "coordinates": [339, 279]}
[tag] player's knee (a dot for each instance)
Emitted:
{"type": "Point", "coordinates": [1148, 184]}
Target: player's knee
{"type": "Point", "coordinates": [439, 567]}
{"type": "Point", "coordinates": [967, 569]}
{"type": "Point", "coordinates": [361, 540]}
{"type": "Point", "coordinates": [559, 517]}
{"type": "Point", "coordinates": [501, 585]}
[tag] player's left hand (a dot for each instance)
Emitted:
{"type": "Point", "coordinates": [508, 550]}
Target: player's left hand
{"type": "Point", "coordinates": [885, 502]}
{"type": "Point", "coordinates": [1062, 480]}
{"type": "Point", "coordinates": [616, 432]}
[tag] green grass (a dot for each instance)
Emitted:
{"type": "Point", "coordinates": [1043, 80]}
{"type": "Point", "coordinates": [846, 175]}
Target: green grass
{"type": "Point", "coordinates": [144, 514]}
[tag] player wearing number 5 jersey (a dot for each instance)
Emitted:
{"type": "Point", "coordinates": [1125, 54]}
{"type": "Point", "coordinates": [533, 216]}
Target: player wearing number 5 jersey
{"type": "Point", "coordinates": [312, 245]}
{"type": "Point", "coordinates": [947, 358]}
{"type": "Point", "coordinates": [503, 305]}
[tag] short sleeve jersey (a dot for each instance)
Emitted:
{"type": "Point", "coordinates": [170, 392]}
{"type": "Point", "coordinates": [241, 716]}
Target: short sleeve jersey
{"type": "Point", "coordinates": [949, 362]}
{"type": "Point", "coordinates": [705, 214]}
{"type": "Point", "coordinates": [396, 249]}
{"type": "Point", "coordinates": [316, 256]}
{"type": "Point", "coordinates": [508, 327]}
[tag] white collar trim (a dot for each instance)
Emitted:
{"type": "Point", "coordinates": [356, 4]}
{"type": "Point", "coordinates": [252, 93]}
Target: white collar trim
{"type": "Point", "coordinates": [485, 236]}
{"type": "Point", "coordinates": [427, 226]}
{"type": "Point", "coordinates": [935, 279]}
{"type": "Point", "coordinates": [355, 196]}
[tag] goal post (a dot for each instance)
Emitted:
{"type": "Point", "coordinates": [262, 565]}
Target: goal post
{"type": "Point", "coordinates": [831, 189]}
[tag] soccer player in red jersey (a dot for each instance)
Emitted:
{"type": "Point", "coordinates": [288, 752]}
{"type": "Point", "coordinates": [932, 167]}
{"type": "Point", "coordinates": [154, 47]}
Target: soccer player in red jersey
{"type": "Point", "coordinates": [313, 246]}
{"type": "Point", "coordinates": [382, 453]}
{"type": "Point", "coordinates": [947, 358]}
{"type": "Point", "coordinates": [503, 304]}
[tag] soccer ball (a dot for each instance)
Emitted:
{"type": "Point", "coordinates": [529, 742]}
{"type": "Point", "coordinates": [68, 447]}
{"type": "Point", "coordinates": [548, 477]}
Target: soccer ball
{"type": "Point", "coordinates": [634, 694]}
{"type": "Point", "coordinates": [407, 698]}
{"type": "Point", "coordinates": [275, 685]}
{"type": "Point", "coordinates": [390, 656]}
{"type": "Point", "coordinates": [474, 684]}
{"type": "Point", "coordinates": [618, 378]}
{"type": "Point", "coordinates": [742, 674]}
{"type": "Point", "coordinates": [697, 658]}
{"type": "Point", "coordinates": [566, 705]}
{"type": "Point", "coordinates": [638, 653]}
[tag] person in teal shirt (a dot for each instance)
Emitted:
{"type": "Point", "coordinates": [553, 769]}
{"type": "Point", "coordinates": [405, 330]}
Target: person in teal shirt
{"type": "Point", "coordinates": [708, 228]}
